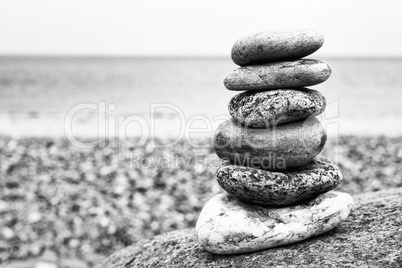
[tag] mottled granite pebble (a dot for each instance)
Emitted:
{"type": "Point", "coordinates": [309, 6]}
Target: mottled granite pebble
{"type": "Point", "coordinates": [370, 237]}
{"type": "Point", "coordinates": [274, 107]}
{"type": "Point", "coordinates": [270, 188]}
{"type": "Point", "coordinates": [278, 148]}
{"type": "Point", "coordinates": [276, 46]}
{"type": "Point", "coordinates": [229, 226]}
{"type": "Point", "coordinates": [286, 74]}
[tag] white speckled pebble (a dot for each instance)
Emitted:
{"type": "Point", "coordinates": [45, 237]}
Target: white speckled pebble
{"type": "Point", "coordinates": [229, 226]}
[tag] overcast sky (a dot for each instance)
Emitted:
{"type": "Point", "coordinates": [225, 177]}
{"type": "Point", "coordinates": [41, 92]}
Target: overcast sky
{"type": "Point", "coordinates": [185, 27]}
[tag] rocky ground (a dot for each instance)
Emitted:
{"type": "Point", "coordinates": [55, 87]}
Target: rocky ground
{"type": "Point", "coordinates": [369, 237]}
{"type": "Point", "coordinates": [83, 204]}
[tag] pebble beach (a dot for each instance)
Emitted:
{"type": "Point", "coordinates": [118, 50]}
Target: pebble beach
{"type": "Point", "coordinates": [86, 203]}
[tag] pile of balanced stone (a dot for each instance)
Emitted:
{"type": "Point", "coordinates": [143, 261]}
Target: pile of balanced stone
{"type": "Point", "coordinates": [278, 187]}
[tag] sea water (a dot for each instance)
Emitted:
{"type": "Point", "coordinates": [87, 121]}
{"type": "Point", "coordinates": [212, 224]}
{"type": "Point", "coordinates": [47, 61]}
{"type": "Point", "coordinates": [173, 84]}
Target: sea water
{"type": "Point", "coordinates": [364, 96]}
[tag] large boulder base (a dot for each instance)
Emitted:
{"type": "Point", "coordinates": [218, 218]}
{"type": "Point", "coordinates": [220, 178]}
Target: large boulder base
{"type": "Point", "coordinates": [370, 237]}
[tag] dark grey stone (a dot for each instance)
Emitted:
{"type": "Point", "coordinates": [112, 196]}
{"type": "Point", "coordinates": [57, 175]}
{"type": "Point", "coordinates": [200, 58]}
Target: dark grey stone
{"type": "Point", "coordinates": [269, 188]}
{"type": "Point", "coordinates": [271, 46]}
{"type": "Point", "coordinates": [278, 148]}
{"type": "Point", "coordinates": [275, 107]}
{"type": "Point", "coordinates": [286, 74]}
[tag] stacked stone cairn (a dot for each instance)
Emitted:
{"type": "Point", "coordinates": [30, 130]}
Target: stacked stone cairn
{"type": "Point", "coordinates": [278, 188]}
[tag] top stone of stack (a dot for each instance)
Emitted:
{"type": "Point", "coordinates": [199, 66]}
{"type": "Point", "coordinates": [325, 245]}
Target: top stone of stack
{"type": "Point", "coordinates": [270, 46]}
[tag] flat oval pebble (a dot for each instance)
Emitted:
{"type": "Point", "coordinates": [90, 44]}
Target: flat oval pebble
{"type": "Point", "coordinates": [274, 107]}
{"type": "Point", "coordinates": [276, 46]}
{"type": "Point", "coordinates": [279, 148]}
{"type": "Point", "coordinates": [229, 226]}
{"type": "Point", "coordinates": [286, 74]}
{"type": "Point", "coordinates": [269, 188]}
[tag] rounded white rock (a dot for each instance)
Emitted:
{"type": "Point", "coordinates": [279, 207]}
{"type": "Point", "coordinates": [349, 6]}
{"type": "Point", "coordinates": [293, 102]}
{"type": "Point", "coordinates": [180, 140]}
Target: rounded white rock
{"type": "Point", "coordinates": [227, 225]}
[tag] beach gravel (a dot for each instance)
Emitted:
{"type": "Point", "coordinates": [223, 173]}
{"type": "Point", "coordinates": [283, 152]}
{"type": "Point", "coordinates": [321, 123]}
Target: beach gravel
{"type": "Point", "coordinates": [80, 202]}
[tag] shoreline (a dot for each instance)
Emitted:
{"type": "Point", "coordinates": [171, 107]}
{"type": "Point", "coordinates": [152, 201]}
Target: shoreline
{"type": "Point", "coordinates": [20, 125]}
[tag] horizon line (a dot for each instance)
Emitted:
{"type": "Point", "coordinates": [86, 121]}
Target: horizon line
{"type": "Point", "coordinates": [175, 56]}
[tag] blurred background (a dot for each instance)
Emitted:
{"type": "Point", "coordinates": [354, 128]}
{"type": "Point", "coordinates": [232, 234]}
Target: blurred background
{"type": "Point", "coordinates": [71, 205]}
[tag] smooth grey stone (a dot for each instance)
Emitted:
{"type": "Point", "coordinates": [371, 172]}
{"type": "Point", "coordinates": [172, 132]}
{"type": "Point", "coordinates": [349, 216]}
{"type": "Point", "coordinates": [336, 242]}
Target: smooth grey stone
{"type": "Point", "coordinates": [286, 74]}
{"type": "Point", "coordinates": [276, 45]}
{"type": "Point", "coordinates": [227, 225]}
{"type": "Point", "coordinates": [369, 237]}
{"type": "Point", "coordinates": [269, 188]}
{"type": "Point", "coordinates": [278, 148]}
{"type": "Point", "coordinates": [274, 107]}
